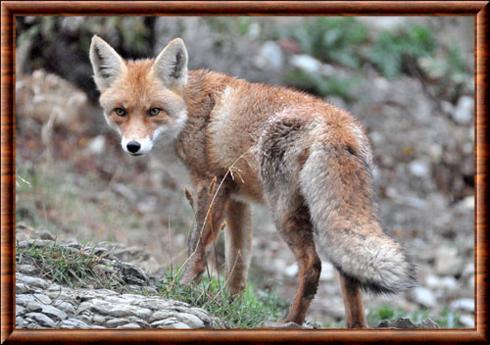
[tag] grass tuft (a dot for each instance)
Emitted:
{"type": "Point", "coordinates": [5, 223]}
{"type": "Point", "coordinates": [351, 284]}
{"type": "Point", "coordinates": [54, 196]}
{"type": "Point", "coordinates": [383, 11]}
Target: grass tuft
{"type": "Point", "coordinates": [247, 310]}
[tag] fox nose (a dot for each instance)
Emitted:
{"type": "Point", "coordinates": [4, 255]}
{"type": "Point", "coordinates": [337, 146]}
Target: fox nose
{"type": "Point", "coordinates": [133, 146]}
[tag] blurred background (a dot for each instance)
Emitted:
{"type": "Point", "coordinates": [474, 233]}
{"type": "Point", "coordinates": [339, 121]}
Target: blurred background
{"type": "Point", "coordinates": [408, 79]}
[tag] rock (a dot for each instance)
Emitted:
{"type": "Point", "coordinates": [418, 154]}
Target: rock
{"type": "Point", "coordinates": [465, 304]}
{"type": "Point", "coordinates": [270, 56]}
{"type": "Point", "coordinates": [448, 263]}
{"type": "Point", "coordinates": [291, 270]}
{"type": "Point", "coordinates": [328, 271]}
{"type": "Point", "coordinates": [27, 269]}
{"type": "Point", "coordinates": [41, 319]}
{"type": "Point", "coordinates": [19, 310]}
{"type": "Point", "coordinates": [407, 323]}
{"type": "Point", "coordinates": [306, 63]}
{"type": "Point", "coordinates": [448, 283]}
{"type": "Point", "coordinates": [419, 168]}
{"type": "Point", "coordinates": [53, 313]}
{"type": "Point", "coordinates": [73, 323]}
{"type": "Point", "coordinates": [467, 203]}
{"type": "Point", "coordinates": [65, 306]}
{"type": "Point", "coordinates": [46, 235]}
{"type": "Point", "coordinates": [32, 281]}
{"type": "Point", "coordinates": [463, 112]}
{"type": "Point", "coordinates": [423, 296]}
{"type": "Point", "coordinates": [43, 304]}
{"type": "Point", "coordinates": [115, 310]}
{"type": "Point", "coordinates": [169, 323]}
{"type": "Point", "coordinates": [467, 320]}
{"type": "Point", "coordinates": [130, 325]}
{"type": "Point", "coordinates": [114, 323]}
{"type": "Point", "coordinates": [96, 145]}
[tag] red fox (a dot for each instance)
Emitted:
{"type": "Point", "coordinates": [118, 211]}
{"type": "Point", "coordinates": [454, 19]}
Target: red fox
{"type": "Point", "coordinates": [308, 161]}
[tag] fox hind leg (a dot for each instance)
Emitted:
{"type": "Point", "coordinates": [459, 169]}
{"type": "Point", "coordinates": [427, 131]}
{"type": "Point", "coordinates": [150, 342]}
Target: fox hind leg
{"type": "Point", "coordinates": [354, 307]}
{"type": "Point", "coordinates": [238, 245]}
{"type": "Point", "coordinates": [295, 228]}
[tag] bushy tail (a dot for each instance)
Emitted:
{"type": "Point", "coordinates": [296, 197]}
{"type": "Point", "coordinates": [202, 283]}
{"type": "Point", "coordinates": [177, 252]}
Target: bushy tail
{"type": "Point", "coordinates": [336, 183]}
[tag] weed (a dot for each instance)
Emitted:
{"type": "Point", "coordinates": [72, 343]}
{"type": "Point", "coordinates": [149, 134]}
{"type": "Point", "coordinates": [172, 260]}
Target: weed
{"type": "Point", "coordinates": [68, 266]}
{"type": "Point", "coordinates": [320, 85]}
{"type": "Point", "coordinates": [332, 39]}
{"type": "Point", "coordinates": [445, 319]}
{"type": "Point", "coordinates": [390, 50]}
{"type": "Point", "coordinates": [244, 311]}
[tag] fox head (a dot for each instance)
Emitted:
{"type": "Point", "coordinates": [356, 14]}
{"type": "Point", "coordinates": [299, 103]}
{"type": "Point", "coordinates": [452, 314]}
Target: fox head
{"type": "Point", "coordinates": [141, 99]}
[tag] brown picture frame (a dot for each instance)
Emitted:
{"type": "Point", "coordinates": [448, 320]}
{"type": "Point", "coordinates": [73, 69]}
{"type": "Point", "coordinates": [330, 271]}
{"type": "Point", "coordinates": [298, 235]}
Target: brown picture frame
{"type": "Point", "coordinates": [10, 9]}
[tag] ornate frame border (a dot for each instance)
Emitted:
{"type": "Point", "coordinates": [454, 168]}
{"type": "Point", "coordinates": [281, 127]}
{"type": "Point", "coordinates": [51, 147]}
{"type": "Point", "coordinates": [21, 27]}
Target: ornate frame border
{"type": "Point", "coordinates": [9, 9]}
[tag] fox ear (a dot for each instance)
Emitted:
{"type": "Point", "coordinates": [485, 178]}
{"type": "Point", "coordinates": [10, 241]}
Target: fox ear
{"type": "Point", "coordinates": [106, 63]}
{"type": "Point", "coordinates": [171, 64]}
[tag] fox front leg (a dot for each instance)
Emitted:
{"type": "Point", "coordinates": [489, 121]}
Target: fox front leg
{"type": "Point", "coordinates": [210, 204]}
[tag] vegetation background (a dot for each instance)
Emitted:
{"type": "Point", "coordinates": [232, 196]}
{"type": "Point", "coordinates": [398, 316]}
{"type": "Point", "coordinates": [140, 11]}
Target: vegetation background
{"type": "Point", "coordinates": [409, 80]}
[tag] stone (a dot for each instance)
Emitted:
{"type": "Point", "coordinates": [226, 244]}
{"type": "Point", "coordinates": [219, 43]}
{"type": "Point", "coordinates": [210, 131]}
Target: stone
{"type": "Point", "coordinates": [41, 319]}
{"type": "Point", "coordinates": [114, 323]}
{"type": "Point", "coordinates": [130, 325]}
{"type": "Point", "coordinates": [19, 310]}
{"type": "Point", "coordinates": [419, 168]}
{"type": "Point", "coordinates": [32, 281]}
{"type": "Point", "coordinates": [465, 304]}
{"type": "Point", "coordinates": [463, 112]}
{"type": "Point", "coordinates": [96, 145]}
{"type": "Point", "coordinates": [73, 323]}
{"type": "Point", "coordinates": [407, 323]}
{"type": "Point", "coordinates": [306, 63]}
{"type": "Point", "coordinates": [27, 269]}
{"type": "Point", "coordinates": [467, 321]}
{"type": "Point", "coordinates": [169, 323]}
{"type": "Point", "coordinates": [291, 270]}
{"type": "Point", "coordinates": [270, 56]}
{"type": "Point", "coordinates": [53, 312]}
{"type": "Point", "coordinates": [434, 282]}
{"type": "Point", "coordinates": [448, 263]}
{"type": "Point", "coordinates": [64, 306]}
{"type": "Point", "coordinates": [423, 296]}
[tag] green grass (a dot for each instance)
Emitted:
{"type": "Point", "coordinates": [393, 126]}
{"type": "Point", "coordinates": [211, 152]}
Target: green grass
{"type": "Point", "coordinates": [67, 266]}
{"type": "Point", "coordinates": [389, 50]}
{"type": "Point", "coordinates": [250, 309]}
{"type": "Point", "coordinates": [445, 319]}
{"type": "Point", "coordinates": [321, 86]}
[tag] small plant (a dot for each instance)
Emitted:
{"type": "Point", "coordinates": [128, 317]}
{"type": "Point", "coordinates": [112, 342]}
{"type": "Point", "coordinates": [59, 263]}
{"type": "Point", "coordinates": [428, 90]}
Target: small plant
{"type": "Point", "coordinates": [68, 266]}
{"type": "Point", "coordinates": [321, 86]}
{"type": "Point", "coordinates": [332, 39]}
{"type": "Point", "coordinates": [445, 319]}
{"type": "Point", "coordinates": [390, 50]}
{"type": "Point", "coordinates": [244, 311]}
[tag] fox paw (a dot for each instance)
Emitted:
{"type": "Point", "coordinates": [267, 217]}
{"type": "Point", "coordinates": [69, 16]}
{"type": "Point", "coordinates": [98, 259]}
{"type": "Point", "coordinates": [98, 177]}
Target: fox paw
{"type": "Point", "coordinates": [282, 325]}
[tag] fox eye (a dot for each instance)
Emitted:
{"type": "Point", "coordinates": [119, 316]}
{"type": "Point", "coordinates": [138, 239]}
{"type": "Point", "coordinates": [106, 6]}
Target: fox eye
{"type": "Point", "coordinates": [120, 111]}
{"type": "Point", "coordinates": [154, 111]}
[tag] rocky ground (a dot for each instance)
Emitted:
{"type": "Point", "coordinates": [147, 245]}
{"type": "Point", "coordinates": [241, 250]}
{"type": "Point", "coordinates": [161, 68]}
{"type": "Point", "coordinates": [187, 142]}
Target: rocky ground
{"type": "Point", "coordinates": [42, 303]}
{"type": "Point", "coordinates": [75, 183]}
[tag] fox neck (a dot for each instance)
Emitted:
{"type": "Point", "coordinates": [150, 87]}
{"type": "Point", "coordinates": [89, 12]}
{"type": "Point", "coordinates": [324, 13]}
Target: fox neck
{"type": "Point", "coordinates": [202, 92]}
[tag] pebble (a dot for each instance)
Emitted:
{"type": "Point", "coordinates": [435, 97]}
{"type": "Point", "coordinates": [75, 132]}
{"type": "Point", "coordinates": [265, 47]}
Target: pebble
{"type": "Point", "coordinates": [465, 304]}
{"type": "Point", "coordinates": [467, 321]}
{"type": "Point", "coordinates": [53, 312]}
{"type": "Point", "coordinates": [423, 296]}
{"type": "Point", "coordinates": [419, 168]}
{"type": "Point", "coordinates": [41, 319]}
{"type": "Point", "coordinates": [306, 63]}
{"type": "Point", "coordinates": [270, 56]}
{"type": "Point", "coordinates": [463, 112]}
{"type": "Point", "coordinates": [448, 262]}
{"type": "Point", "coordinates": [73, 323]}
{"type": "Point", "coordinates": [448, 283]}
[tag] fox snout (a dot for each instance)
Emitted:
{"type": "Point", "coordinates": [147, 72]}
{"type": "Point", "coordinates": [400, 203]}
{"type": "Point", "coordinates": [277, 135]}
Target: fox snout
{"type": "Point", "coordinates": [137, 147]}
